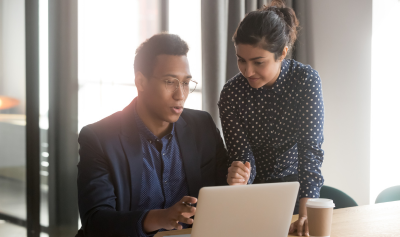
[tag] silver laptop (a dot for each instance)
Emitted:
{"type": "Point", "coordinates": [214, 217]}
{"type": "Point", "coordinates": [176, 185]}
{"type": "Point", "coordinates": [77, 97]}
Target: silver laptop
{"type": "Point", "coordinates": [250, 210]}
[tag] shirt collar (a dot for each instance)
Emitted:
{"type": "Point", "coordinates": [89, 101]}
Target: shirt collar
{"type": "Point", "coordinates": [148, 135]}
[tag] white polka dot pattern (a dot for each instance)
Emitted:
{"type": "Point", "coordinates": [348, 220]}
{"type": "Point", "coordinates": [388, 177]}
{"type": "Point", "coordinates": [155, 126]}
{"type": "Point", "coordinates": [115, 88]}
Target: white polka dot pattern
{"type": "Point", "coordinates": [279, 130]}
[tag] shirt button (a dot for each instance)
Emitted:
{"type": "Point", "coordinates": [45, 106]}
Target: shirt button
{"type": "Point", "coordinates": [163, 154]}
{"type": "Point", "coordinates": [165, 181]}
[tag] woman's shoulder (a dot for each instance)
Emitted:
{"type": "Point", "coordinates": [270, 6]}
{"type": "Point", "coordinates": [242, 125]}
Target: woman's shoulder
{"type": "Point", "coordinates": [234, 86]}
{"type": "Point", "coordinates": [236, 82]}
{"type": "Point", "coordinates": [302, 73]}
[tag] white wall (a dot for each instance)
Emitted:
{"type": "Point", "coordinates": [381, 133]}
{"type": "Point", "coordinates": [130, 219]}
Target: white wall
{"type": "Point", "coordinates": [338, 43]}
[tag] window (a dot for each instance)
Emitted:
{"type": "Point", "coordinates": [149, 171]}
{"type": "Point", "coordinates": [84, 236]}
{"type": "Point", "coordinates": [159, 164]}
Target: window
{"type": "Point", "coordinates": [185, 21]}
{"type": "Point", "coordinates": [109, 33]}
{"type": "Point", "coordinates": [385, 98]}
{"type": "Point", "coordinates": [12, 118]}
{"type": "Point", "coordinates": [108, 36]}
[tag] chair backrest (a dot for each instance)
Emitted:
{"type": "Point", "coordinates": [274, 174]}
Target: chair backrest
{"type": "Point", "coordinates": [341, 199]}
{"type": "Point", "coordinates": [389, 195]}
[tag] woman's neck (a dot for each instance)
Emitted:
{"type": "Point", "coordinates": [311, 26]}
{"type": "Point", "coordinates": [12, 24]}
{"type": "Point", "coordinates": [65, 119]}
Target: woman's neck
{"type": "Point", "coordinates": [271, 83]}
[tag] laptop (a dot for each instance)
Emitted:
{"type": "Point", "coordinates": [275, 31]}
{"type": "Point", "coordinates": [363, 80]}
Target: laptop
{"type": "Point", "coordinates": [245, 210]}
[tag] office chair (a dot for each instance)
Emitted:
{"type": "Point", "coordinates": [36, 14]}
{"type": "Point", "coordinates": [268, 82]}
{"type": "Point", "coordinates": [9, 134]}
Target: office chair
{"type": "Point", "coordinates": [389, 195]}
{"type": "Point", "coordinates": [341, 199]}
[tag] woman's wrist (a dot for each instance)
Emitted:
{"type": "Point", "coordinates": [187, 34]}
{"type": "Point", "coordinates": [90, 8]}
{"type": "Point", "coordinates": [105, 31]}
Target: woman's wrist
{"type": "Point", "coordinates": [302, 207]}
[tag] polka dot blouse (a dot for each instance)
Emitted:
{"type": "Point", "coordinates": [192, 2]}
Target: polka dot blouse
{"type": "Point", "coordinates": [279, 130]}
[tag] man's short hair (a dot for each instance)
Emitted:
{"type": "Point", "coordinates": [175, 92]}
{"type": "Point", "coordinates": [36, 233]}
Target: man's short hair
{"type": "Point", "coordinates": [158, 44]}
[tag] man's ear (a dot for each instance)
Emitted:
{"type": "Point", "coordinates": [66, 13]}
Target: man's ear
{"type": "Point", "coordinates": [140, 81]}
{"type": "Point", "coordinates": [284, 53]}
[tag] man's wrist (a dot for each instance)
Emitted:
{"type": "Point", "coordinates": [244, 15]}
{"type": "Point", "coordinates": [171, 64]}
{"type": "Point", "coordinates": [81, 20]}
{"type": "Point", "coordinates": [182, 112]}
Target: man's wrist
{"type": "Point", "coordinates": [152, 221]}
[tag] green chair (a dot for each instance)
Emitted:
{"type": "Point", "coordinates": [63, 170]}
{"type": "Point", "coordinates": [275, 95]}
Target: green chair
{"type": "Point", "coordinates": [341, 199]}
{"type": "Point", "coordinates": [389, 195]}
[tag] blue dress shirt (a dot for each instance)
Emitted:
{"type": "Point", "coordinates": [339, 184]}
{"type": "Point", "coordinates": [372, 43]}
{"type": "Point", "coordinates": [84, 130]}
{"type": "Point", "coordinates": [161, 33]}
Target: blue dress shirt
{"type": "Point", "coordinates": [163, 178]}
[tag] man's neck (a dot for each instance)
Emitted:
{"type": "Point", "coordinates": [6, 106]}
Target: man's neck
{"type": "Point", "coordinates": [158, 127]}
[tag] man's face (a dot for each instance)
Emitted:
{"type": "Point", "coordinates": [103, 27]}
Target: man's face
{"type": "Point", "coordinates": [159, 96]}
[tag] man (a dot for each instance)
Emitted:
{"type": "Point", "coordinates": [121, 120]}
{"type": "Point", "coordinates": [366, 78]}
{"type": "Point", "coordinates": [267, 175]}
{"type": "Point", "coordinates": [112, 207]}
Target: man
{"type": "Point", "coordinates": [141, 168]}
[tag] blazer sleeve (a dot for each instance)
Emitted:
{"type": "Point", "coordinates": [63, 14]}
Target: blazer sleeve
{"type": "Point", "coordinates": [96, 198]}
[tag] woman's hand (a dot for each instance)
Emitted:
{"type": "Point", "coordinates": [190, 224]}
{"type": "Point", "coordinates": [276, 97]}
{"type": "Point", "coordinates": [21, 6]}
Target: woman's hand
{"type": "Point", "coordinates": [239, 173]}
{"type": "Point", "coordinates": [301, 225]}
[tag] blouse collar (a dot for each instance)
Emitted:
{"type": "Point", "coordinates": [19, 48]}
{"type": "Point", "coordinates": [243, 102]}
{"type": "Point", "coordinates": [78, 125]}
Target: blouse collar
{"type": "Point", "coordinates": [280, 83]}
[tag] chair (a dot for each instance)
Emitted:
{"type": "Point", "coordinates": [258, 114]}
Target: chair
{"type": "Point", "coordinates": [389, 195]}
{"type": "Point", "coordinates": [341, 199]}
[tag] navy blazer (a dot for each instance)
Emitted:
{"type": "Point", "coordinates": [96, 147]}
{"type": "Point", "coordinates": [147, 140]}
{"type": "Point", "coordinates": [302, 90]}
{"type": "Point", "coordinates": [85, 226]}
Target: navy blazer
{"type": "Point", "coordinates": [110, 168]}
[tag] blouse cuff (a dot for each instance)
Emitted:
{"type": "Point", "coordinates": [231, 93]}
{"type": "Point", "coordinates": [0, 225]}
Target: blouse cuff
{"type": "Point", "coordinates": [311, 191]}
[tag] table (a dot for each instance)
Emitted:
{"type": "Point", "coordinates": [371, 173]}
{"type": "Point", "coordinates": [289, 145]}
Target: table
{"type": "Point", "coordinates": [363, 221]}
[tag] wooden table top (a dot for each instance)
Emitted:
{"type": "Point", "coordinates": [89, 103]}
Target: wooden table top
{"type": "Point", "coordinates": [363, 221]}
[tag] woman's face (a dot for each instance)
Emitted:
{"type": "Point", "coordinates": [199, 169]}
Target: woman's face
{"type": "Point", "coordinates": [258, 65]}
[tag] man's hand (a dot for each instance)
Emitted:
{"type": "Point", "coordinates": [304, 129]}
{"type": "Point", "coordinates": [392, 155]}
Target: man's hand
{"type": "Point", "coordinates": [168, 218]}
{"type": "Point", "coordinates": [301, 225]}
{"type": "Point", "coordinates": [239, 173]}
{"type": "Point", "coordinates": [180, 212]}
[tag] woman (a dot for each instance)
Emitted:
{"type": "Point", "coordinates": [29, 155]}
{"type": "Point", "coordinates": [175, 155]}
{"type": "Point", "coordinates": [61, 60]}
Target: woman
{"type": "Point", "coordinates": [272, 112]}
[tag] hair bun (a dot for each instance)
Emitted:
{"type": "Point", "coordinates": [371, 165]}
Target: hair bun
{"type": "Point", "coordinates": [286, 14]}
{"type": "Point", "coordinates": [272, 27]}
{"type": "Point", "coordinates": [278, 3]}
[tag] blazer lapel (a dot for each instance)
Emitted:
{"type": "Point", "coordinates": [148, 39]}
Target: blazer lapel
{"type": "Point", "coordinates": [132, 146]}
{"type": "Point", "coordinates": [190, 156]}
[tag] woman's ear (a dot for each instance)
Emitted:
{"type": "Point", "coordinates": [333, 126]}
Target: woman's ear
{"type": "Point", "coordinates": [140, 81]}
{"type": "Point", "coordinates": [284, 53]}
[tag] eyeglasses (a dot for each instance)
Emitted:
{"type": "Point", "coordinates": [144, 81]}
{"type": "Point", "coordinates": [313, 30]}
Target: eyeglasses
{"type": "Point", "coordinates": [173, 84]}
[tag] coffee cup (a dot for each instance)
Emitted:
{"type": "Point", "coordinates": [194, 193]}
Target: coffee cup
{"type": "Point", "coordinates": [319, 215]}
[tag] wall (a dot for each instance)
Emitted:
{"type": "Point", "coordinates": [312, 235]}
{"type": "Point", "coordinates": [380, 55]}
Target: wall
{"type": "Point", "coordinates": [337, 43]}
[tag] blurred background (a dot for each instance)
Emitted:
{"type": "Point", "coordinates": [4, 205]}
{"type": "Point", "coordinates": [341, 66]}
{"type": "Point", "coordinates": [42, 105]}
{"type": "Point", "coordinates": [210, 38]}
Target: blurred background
{"type": "Point", "coordinates": [65, 64]}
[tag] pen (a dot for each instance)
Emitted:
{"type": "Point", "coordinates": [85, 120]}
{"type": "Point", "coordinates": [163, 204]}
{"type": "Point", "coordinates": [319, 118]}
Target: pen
{"type": "Point", "coordinates": [187, 204]}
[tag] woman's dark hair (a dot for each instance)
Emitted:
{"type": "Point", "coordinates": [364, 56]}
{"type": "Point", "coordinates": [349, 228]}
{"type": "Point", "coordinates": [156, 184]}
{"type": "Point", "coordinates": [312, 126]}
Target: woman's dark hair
{"type": "Point", "coordinates": [158, 44]}
{"type": "Point", "coordinates": [272, 28]}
